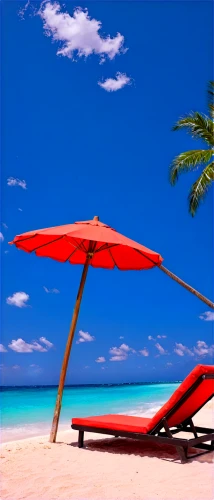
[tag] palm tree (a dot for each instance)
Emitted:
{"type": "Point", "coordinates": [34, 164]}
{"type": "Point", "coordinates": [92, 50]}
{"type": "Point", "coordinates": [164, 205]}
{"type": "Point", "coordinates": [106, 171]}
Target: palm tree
{"type": "Point", "coordinates": [201, 127]}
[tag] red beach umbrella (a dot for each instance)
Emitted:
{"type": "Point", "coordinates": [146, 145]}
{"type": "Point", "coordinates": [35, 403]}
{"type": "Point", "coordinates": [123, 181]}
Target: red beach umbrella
{"type": "Point", "coordinates": [90, 243]}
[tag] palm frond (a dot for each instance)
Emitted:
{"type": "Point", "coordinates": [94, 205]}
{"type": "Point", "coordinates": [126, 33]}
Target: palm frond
{"type": "Point", "coordinates": [211, 98]}
{"type": "Point", "coordinates": [190, 160]}
{"type": "Point", "coordinates": [198, 125]}
{"type": "Point", "coordinates": [200, 187]}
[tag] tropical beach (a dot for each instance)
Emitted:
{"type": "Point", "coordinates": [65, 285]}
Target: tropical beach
{"type": "Point", "coordinates": [115, 469]}
{"type": "Point", "coordinates": [106, 239]}
{"type": "Point", "coordinates": [27, 412]}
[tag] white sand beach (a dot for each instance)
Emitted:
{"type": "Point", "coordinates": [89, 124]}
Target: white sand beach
{"type": "Point", "coordinates": [107, 468]}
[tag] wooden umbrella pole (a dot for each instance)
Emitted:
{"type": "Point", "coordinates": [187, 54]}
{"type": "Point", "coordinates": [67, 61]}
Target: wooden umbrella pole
{"type": "Point", "coordinates": [67, 353]}
{"type": "Point", "coordinates": [188, 287]}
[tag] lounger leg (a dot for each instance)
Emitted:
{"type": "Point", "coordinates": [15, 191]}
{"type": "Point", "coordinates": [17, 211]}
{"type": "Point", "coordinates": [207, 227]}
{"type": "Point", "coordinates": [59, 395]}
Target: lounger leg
{"type": "Point", "coordinates": [182, 453]}
{"type": "Point", "coordinates": [192, 428]}
{"type": "Point", "coordinates": [81, 439]}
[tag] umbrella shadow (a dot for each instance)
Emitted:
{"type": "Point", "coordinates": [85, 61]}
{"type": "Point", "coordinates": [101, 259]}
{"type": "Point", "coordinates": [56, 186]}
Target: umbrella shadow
{"type": "Point", "coordinates": [122, 446]}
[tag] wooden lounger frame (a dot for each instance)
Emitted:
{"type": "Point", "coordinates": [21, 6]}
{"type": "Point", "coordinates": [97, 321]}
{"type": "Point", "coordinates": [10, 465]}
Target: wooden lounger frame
{"type": "Point", "coordinates": [166, 436]}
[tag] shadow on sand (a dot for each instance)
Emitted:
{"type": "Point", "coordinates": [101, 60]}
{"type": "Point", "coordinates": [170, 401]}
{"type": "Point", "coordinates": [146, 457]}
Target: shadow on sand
{"type": "Point", "coordinates": [133, 447]}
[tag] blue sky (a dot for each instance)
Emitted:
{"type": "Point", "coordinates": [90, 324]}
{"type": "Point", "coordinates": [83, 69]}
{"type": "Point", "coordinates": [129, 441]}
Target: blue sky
{"type": "Point", "coordinates": [85, 151]}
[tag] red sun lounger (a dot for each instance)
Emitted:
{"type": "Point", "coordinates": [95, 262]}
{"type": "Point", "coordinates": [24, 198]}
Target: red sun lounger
{"type": "Point", "coordinates": [174, 417]}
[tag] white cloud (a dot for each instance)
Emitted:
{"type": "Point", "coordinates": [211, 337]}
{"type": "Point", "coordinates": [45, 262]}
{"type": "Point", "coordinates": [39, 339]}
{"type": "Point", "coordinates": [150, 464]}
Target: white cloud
{"type": "Point", "coordinates": [201, 343]}
{"type": "Point", "coordinates": [144, 352]}
{"type": "Point", "coordinates": [189, 352]}
{"type": "Point", "coordinates": [6, 251]}
{"type": "Point", "coordinates": [126, 348]}
{"type": "Point", "coordinates": [37, 347]}
{"type": "Point", "coordinates": [121, 337]}
{"type": "Point", "coordinates": [207, 316]}
{"type": "Point", "coordinates": [79, 34]}
{"type": "Point", "coordinates": [116, 351]}
{"type": "Point", "coordinates": [158, 337]}
{"type": "Point", "coordinates": [179, 352]}
{"type": "Point", "coordinates": [84, 337]}
{"type": "Point", "coordinates": [18, 299]}
{"type": "Point", "coordinates": [114, 84]}
{"type": "Point", "coordinates": [16, 367]}
{"type": "Point", "coordinates": [160, 348]}
{"type": "Point", "coordinates": [51, 290]}
{"type": "Point", "coordinates": [120, 357]}
{"type": "Point", "coordinates": [169, 364]}
{"type": "Point", "coordinates": [202, 349]}
{"type": "Point", "coordinates": [22, 11]}
{"type": "Point", "coordinates": [4, 225]}
{"type": "Point", "coordinates": [120, 353]}
{"type": "Point", "coordinates": [100, 359]}
{"type": "Point", "coordinates": [20, 209]}
{"type": "Point", "coordinates": [11, 181]}
{"type": "Point", "coordinates": [2, 348]}
{"type": "Point", "coordinates": [1, 237]}
{"type": "Point", "coordinates": [20, 345]}
{"type": "Point", "coordinates": [181, 349]}
{"type": "Point", "coordinates": [46, 342]}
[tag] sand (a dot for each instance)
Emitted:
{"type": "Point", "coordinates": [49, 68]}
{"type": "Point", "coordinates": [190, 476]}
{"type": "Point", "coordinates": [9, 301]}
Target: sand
{"type": "Point", "coordinates": [107, 469]}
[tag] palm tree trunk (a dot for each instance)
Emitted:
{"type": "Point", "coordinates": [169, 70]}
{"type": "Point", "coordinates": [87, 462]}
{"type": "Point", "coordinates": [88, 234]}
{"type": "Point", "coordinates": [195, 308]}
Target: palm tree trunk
{"type": "Point", "coordinates": [188, 287]}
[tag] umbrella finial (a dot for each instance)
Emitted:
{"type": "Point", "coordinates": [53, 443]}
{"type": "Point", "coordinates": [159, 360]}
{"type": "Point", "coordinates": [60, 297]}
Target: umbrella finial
{"type": "Point", "coordinates": [96, 217]}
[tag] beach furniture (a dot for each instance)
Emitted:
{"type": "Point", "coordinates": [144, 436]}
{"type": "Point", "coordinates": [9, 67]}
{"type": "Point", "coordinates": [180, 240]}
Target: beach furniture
{"type": "Point", "coordinates": [90, 243]}
{"type": "Point", "coordinates": [175, 416]}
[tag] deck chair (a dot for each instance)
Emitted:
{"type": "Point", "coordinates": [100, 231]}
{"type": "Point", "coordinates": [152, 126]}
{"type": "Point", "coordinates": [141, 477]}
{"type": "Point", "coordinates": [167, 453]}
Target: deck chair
{"type": "Point", "coordinates": [174, 417]}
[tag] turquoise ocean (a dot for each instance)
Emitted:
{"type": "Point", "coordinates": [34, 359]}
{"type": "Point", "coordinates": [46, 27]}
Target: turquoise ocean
{"type": "Point", "coordinates": [28, 411]}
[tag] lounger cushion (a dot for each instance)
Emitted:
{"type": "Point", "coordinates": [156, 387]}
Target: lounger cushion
{"type": "Point", "coordinates": [144, 425]}
{"type": "Point", "coordinates": [193, 403]}
{"type": "Point", "coordinates": [117, 422]}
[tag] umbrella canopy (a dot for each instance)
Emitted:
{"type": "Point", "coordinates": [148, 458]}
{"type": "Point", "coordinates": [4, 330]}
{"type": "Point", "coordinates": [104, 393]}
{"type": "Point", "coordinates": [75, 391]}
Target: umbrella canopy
{"type": "Point", "coordinates": [76, 242]}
